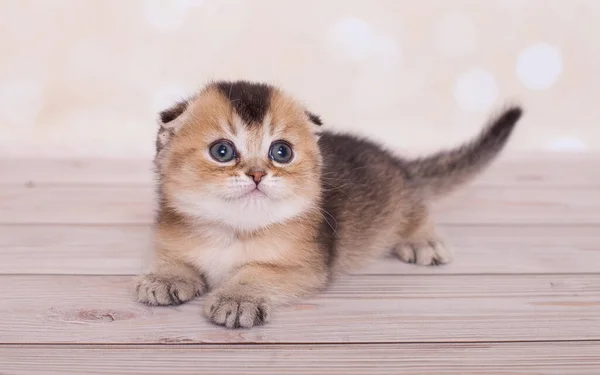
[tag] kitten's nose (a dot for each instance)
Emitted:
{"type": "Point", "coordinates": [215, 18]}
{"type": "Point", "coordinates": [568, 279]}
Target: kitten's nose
{"type": "Point", "coordinates": [256, 174]}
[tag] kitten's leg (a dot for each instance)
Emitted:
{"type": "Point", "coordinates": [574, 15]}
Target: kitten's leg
{"type": "Point", "coordinates": [423, 245]}
{"type": "Point", "coordinates": [170, 282]}
{"type": "Point", "coordinates": [249, 297]}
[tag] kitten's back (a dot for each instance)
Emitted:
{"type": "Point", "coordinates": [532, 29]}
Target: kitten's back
{"type": "Point", "coordinates": [372, 198]}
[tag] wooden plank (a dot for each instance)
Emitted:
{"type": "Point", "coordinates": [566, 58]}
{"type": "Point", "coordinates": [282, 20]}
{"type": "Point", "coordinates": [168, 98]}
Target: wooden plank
{"type": "Point", "coordinates": [74, 249]}
{"type": "Point", "coordinates": [135, 205]}
{"type": "Point", "coordinates": [76, 205]}
{"type": "Point", "coordinates": [123, 249]}
{"type": "Point", "coordinates": [367, 309]}
{"type": "Point", "coordinates": [76, 172]}
{"type": "Point", "coordinates": [556, 358]}
{"type": "Point", "coordinates": [513, 205]}
{"type": "Point", "coordinates": [524, 170]}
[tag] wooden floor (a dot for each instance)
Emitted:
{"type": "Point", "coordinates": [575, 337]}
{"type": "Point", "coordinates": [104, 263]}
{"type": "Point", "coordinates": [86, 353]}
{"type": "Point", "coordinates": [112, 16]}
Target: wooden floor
{"type": "Point", "coordinates": [522, 296]}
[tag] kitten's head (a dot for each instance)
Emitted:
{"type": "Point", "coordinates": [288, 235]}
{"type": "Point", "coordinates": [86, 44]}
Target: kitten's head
{"type": "Point", "coordinates": [241, 154]}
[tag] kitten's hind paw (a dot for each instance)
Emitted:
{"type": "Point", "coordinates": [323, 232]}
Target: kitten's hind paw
{"type": "Point", "coordinates": [425, 253]}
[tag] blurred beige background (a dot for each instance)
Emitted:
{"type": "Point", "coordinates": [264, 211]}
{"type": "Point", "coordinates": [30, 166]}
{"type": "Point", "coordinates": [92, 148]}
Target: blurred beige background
{"type": "Point", "coordinates": [86, 78]}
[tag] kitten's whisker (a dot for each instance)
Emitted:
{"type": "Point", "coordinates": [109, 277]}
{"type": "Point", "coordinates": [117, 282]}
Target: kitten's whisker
{"type": "Point", "coordinates": [321, 211]}
{"type": "Point", "coordinates": [326, 188]}
{"type": "Point", "coordinates": [335, 187]}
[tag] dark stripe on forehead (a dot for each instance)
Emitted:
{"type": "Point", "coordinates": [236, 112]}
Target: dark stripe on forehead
{"type": "Point", "coordinates": [250, 100]}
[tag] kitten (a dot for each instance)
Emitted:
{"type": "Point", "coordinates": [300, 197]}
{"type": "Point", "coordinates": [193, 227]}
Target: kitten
{"type": "Point", "coordinates": [258, 207]}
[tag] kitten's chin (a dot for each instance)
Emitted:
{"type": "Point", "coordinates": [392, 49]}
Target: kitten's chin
{"type": "Point", "coordinates": [252, 211]}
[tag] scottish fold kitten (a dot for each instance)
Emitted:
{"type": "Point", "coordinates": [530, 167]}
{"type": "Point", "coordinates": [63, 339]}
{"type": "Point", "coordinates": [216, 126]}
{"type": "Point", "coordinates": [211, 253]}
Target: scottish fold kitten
{"type": "Point", "coordinates": [258, 206]}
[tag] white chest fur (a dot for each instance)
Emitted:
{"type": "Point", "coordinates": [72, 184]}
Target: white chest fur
{"type": "Point", "coordinates": [223, 253]}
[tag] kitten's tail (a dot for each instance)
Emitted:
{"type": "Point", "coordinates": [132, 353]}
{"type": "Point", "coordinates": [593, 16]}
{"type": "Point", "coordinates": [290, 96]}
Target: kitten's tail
{"type": "Point", "coordinates": [440, 173]}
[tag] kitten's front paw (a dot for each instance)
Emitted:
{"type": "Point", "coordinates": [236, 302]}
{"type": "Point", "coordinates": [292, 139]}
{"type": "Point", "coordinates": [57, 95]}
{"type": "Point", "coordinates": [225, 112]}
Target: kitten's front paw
{"type": "Point", "coordinates": [160, 290]}
{"type": "Point", "coordinates": [427, 253]}
{"type": "Point", "coordinates": [237, 311]}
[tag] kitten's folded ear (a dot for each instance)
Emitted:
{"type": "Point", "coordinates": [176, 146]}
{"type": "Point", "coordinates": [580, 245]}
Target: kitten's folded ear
{"type": "Point", "coordinates": [170, 121]}
{"type": "Point", "coordinates": [314, 118]}
{"type": "Point", "coordinates": [173, 112]}
{"type": "Point", "coordinates": [316, 122]}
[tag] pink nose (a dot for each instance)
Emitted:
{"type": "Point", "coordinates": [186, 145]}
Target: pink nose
{"type": "Point", "coordinates": [256, 175]}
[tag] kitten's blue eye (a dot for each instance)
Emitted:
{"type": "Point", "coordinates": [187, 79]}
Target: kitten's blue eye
{"type": "Point", "coordinates": [222, 151]}
{"type": "Point", "coordinates": [281, 152]}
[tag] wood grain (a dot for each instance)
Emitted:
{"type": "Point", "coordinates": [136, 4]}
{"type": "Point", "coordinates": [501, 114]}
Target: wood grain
{"type": "Point", "coordinates": [76, 172]}
{"type": "Point", "coordinates": [523, 170]}
{"type": "Point", "coordinates": [123, 249]}
{"type": "Point", "coordinates": [557, 358]}
{"type": "Point", "coordinates": [74, 249]}
{"type": "Point", "coordinates": [522, 296]}
{"type": "Point", "coordinates": [76, 205]}
{"type": "Point", "coordinates": [440, 308]}
{"type": "Point", "coordinates": [135, 205]}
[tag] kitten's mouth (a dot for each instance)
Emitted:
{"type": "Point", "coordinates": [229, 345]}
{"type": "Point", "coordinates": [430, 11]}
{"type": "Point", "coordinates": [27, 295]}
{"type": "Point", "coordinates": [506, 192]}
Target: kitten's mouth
{"type": "Point", "coordinates": [256, 192]}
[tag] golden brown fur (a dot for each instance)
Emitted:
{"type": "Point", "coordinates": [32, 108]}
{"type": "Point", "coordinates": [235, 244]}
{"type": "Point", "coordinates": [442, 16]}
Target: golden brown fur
{"type": "Point", "coordinates": [256, 244]}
